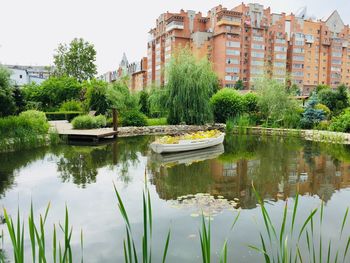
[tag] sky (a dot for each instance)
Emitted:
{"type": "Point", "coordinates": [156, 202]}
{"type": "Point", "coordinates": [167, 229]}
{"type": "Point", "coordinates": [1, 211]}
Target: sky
{"type": "Point", "coordinates": [30, 31]}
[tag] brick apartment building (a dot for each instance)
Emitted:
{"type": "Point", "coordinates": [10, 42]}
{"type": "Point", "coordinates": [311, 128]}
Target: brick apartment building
{"type": "Point", "coordinates": [248, 41]}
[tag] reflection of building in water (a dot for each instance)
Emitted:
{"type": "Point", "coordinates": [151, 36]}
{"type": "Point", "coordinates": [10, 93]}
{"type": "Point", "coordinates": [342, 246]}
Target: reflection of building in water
{"type": "Point", "coordinates": [273, 178]}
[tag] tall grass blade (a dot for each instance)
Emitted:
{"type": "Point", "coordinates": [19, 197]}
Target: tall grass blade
{"type": "Point", "coordinates": [344, 221]}
{"type": "Point", "coordinates": [166, 247]}
{"type": "Point", "coordinates": [309, 218]}
{"type": "Point", "coordinates": [295, 211]}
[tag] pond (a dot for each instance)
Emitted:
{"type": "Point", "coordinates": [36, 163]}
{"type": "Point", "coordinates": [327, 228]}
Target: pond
{"type": "Point", "coordinates": [216, 182]}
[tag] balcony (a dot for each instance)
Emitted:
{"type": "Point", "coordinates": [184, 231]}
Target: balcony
{"type": "Point", "coordinates": [228, 23]}
{"type": "Point", "coordinates": [309, 39]}
{"type": "Point", "coordinates": [175, 25]}
{"type": "Point", "coordinates": [345, 44]}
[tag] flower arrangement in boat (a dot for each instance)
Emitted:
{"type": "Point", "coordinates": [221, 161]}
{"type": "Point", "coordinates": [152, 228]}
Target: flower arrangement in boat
{"type": "Point", "coordinates": [189, 136]}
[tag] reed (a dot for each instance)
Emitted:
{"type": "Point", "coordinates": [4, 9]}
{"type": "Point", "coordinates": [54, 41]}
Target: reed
{"type": "Point", "coordinates": [291, 240]}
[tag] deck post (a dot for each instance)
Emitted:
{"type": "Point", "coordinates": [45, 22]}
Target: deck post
{"type": "Point", "coordinates": [115, 119]}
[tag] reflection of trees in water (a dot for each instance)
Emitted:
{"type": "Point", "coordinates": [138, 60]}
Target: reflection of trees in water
{"type": "Point", "coordinates": [275, 164]}
{"type": "Point", "coordinates": [13, 161]}
{"type": "Point", "coordinates": [80, 164]}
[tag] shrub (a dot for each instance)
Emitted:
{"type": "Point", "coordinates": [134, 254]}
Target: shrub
{"type": "Point", "coordinates": [292, 118]}
{"type": "Point", "coordinates": [341, 123]}
{"type": "Point", "coordinates": [89, 122]}
{"type": "Point", "coordinates": [312, 116]}
{"type": "Point", "coordinates": [323, 125]}
{"type": "Point", "coordinates": [250, 103]}
{"type": "Point", "coordinates": [226, 103]}
{"type": "Point", "coordinates": [71, 105]}
{"type": "Point", "coordinates": [28, 123]}
{"type": "Point", "coordinates": [323, 108]}
{"type": "Point", "coordinates": [157, 100]}
{"type": "Point", "coordinates": [134, 118]}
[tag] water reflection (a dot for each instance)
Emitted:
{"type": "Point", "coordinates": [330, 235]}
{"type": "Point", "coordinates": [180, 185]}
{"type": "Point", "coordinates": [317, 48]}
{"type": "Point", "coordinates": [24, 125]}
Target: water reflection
{"type": "Point", "coordinates": [276, 165]}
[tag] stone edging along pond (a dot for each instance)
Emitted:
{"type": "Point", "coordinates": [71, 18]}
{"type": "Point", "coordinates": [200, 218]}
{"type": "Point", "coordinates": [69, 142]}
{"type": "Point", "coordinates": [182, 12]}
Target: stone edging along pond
{"type": "Point", "coordinates": [312, 135]}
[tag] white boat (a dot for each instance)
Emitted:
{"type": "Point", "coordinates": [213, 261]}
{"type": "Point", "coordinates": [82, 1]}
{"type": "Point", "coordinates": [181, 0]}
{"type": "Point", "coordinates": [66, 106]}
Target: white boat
{"type": "Point", "coordinates": [187, 145]}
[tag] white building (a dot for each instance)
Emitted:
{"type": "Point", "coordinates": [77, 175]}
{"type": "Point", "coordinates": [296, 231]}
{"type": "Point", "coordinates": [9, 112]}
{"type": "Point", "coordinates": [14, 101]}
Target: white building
{"type": "Point", "coordinates": [21, 75]}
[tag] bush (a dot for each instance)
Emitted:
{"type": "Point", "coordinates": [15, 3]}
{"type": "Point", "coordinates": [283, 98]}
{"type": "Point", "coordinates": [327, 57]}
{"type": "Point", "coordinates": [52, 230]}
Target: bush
{"type": "Point", "coordinates": [89, 122]}
{"type": "Point", "coordinates": [250, 103]}
{"type": "Point", "coordinates": [134, 118]}
{"type": "Point", "coordinates": [335, 100]}
{"type": "Point", "coordinates": [341, 123]}
{"type": "Point", "coordinates": [312, 116]}
{"type": "Point", "coordinates": [323, 108]}
{"type": "Point", "coordinates": [28, 123]}
{"type": "Point", "coordinates": [323, 125]}
{"type": "Point", "coordinates": [143, 102]}
{"type": "Point", "coordinates": [71, 105]}
{"type": "Point", "coordinates": [96, 96]}
{"type": "Point", "coordinates": [226, 103]}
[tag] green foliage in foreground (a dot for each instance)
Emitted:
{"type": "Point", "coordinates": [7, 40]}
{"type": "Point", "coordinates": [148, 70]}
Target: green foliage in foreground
{"type": "Point", "coordinates": [190, 85]}
{"type": "Point", "coordinates": [89, 122]}
{"type": "Point", "coordinates": [71, 105]}
{"type": "Point", "coordinates": [341, 123]}
{"type": "Point", "coordinates": [284, 243]}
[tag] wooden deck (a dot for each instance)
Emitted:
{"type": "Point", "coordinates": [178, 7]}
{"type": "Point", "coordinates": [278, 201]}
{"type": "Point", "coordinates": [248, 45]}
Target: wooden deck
{"type": "Point", "coordinates": [64, 128]}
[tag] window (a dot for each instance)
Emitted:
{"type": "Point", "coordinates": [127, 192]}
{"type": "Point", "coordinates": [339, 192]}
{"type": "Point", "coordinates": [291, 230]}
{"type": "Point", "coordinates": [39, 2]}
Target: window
{"type": "Point", "coordinates": [336, 61]}
{"type": "Point", "coordinates": [298, 66]}
{"type": "Point", "coordinates": [298, 50]}
{"type": "Point", "coordinates": [232, 61]}
{"type": "Point", "coordinates": [280, 49]}
{"type": "Point", "coordinates": [232, 70]}
{"type": "Point", "coordinates": [279, 64]}
{"type": "Point", "coordinates": [231, 78]}
{"type": "Point", "coordinates": [299, 58]}
{"type": "Point", "coordinates": [20, 76]}
{"type": "Point", "coordinates": [280, 41]}
{"type": "Point", "coordinates": [280, 72]}
{"type": "Point", "coordinates": [233, 44]}
{"type": "Point", "coordinates": [337, 54]}
{"type": "Point", "coordinates": [298, 74]}
{"type": "Point", "coordinates": [257, 63]}
{"type": "Point", "coordinates": [299, 42]}
{"type": "Point", "coordinates": [168, 48]}
{"type": "Point", "coordinates": [258, 55]}
{"type": "Point", "coordinates": [280, 56]}
{"type": "Point", "coordinates": [258, 39]}
{"type": "Point", "coordinates": [258, 46]}
{"type": "Point", "coordinates": [257, 71]}
{"type": "Point", "coordinates": [335, 69]}
{"type": "Point", "coordinates": [232, 52]}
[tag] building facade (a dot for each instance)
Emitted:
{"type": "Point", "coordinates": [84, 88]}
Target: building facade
{"type": "Point", "coordinates": [22, 75]}
{"type": "Point", "coordinates": [249, 41]}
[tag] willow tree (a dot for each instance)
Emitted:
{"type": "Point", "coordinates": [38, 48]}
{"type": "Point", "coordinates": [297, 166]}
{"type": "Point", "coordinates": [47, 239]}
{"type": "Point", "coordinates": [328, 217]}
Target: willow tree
{"type": "Point", "coordinates": [190, 85]}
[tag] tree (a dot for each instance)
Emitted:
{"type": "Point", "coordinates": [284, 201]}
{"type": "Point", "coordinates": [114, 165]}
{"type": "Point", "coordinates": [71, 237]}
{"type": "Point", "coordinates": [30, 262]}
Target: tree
{"type": "Point", "coordinates": [239, 85]}
{"type": "Point", "coordinates": [96, 96]}
{"type": "Point", "coordinates": [312, 116]}
{"type": "Point", "coordinates": [50, 94]}
{"type": "Point", "coordinates": [76, 60]}
{"type": "Point", "coordinates": [7, 102]}
{"type": "Point", "coordinates": [336, 100]}
{"type": "Point", "coordinates": [143, 102]}
{"type": "Point", "coordinates": [273, 100]}
{"type": "Point", "coordinates": [190, 85]}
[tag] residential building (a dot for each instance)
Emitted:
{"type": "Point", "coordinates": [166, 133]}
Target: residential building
{"type": "Point", "coordinates": [249, 41]}
{"type": "Point", "coordinates": [22, 75]}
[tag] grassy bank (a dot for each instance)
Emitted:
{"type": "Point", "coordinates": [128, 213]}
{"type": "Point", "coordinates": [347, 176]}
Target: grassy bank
{"type": "Point", "coordinates": [28, 130]}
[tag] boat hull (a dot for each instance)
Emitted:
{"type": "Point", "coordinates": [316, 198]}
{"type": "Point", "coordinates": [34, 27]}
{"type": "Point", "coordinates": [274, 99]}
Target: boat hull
{"type": "Point", "coordinates": [187, 145]}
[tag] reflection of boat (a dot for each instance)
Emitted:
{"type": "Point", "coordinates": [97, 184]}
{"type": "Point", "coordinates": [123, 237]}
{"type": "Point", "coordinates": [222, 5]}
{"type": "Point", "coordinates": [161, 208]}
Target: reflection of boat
{"type": "Point", "coordinates": [187, 145]}
{"type": "Point", "coordinates": [189, 157]}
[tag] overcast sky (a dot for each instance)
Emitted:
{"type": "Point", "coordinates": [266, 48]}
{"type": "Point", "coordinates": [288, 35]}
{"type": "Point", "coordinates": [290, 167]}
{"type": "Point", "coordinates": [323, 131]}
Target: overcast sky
{"type": "Point", "coordinates": [31, 30]}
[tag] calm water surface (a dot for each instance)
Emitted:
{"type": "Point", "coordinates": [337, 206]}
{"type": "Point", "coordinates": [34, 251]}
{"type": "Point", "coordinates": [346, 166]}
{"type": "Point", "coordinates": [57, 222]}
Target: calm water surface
{"type": "Point", "coordinates": [182, 186]}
